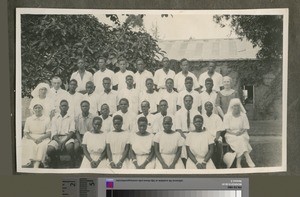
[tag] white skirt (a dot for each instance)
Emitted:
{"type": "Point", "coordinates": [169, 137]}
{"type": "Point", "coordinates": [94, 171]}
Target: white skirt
{"type": "Point", "coordinates": [240, 144]}
{"type": "Point", "coordinates": [169, 158]}
{"type": "Point", "coordinates": [140, 160]}
{"type": "Point", "coordinates": [87, 164]}
{"type": "Point", "coordinates": [190, 164]}
{"type": "Point", "coordinates": [116, 158]}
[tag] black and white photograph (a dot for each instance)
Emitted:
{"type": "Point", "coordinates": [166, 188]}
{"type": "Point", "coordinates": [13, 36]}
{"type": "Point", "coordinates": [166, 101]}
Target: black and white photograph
{"type": "Point", "coordinates": [151, 91]}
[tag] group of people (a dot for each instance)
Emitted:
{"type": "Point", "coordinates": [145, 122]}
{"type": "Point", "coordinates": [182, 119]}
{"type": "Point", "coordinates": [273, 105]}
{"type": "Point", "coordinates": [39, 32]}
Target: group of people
{"type": "Point", "coordinates": [129, 120]}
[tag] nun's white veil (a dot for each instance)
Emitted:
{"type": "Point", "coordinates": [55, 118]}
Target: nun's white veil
{"type": "Point", "coordinates": [35, 92]}
{"type": "Point", "coordinates": [233, 102]}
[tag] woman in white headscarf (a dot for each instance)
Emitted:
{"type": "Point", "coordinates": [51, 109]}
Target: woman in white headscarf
{"type": "Point", "coordinates": [40, 95]}
{"type": "Point", "coordinates": [36, 138]}
{"type": "Point", "coordinates": [236, 124]}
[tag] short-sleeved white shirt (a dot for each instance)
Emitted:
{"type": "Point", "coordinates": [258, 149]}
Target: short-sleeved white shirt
{"type": "Point", "coordinates": [194, 94]}
{"type": "Point", "coordinates": [132, 96]}
{"type": "Point", "coordinates": [204, 97]}
{"type": "Point", "coordinates": [153, 99]}
{"type": "Point", "coordinates": [93, 100]}
{"type": "Point", "coordinates": [62, 125]}
{"type": "Point", "coordinates": [110, 99]}
{"type": "Point", "coordinates": [179, 80]}
{"type": "Point", "coordinates": [120, 79]}
{"type": "Point", "coordinates": [160, 77]}
{"type": "Point", "coordinates": [74, 103]}
{"type": "Point", "coordinates": [216, 77]}
{"type": "Point", "coordinates": [140, 80]}
{"type": "Point", "coordinates": [213, 123]}
{"type": "Point", "coordinates": [171, 98]}
{"type": "Point", "coordinates": [99, 76]}
{"type": "Point", "coordinates": [81, 82]}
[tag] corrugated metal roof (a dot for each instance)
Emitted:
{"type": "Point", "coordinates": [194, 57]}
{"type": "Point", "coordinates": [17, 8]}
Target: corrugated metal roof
{"type": "Point", "coordinates": [209, 49]}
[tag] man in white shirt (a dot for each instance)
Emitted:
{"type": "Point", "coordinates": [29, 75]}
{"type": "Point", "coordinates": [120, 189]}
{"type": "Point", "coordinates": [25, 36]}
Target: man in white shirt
{"type": "Point", "coordinates": [215, 76]}
{"type": "Point", "coordinates": [208, 95]}
{"type": "Point", "coordinates": [62, 131]}
{"type": "Point", "coordinates": [81, 76]}
{"type": "Point", "coordinates": [120, 76]}
{"type": "Point", "coordinates": [91, 97]}
{"type": "Point", "coordinates": [145, 106]}
{"type": "Point", "coordinates": [188, 82]}
{"type": "Point", "coordinates": [131, 94]}
{"type": "Point", "coordinates": [161, 75]}
{"type": "Point", "coordinates": [159, 117]}
{"type": "Point", "coordinates": [184, 117]}
{"type": "Point", "coordinates": [74, 99]}
{"type": "Point", "coordinates": [214, 125]}
{"type": "Point", "coordinates": [108, 96]}
{"type": "Point", "coordinates": [170, 96]}
{"type": "Point", "coordinates": [106, 118]}
{"type": "Point", "coordinates": [56, 93]}
{"type": "Point", "coordinates": [141, 75]}
{"type": "Point", "coordinates": [180, 77]}
{"type": "Point", "coordinates": [128, 117]}
{"type": "Point", "coordinates": [101, 74]}
{"type": "Point", "coordinates": [150, 95]}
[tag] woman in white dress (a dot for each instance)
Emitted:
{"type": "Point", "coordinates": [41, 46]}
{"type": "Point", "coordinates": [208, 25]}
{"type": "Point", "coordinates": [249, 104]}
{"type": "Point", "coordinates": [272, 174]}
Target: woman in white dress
{"type": "Point", "coordinates": [236, 124]}
{"type": "Point", "coordinates": [117, 145]}
{"type": "Point", "coordinates": [141, 147]}
{"type": "Point", "coordinates": [200, 146]}
{"type": "Point", "coordinates": [40, 95]}
{"type": "Point", "coordinates": [168, 145]}
{"type": "Point", "coordinates": [36, 138]}
{"type": "Point", "coordinates": [94, 146]}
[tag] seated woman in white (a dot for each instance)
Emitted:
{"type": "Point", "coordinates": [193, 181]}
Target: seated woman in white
{"type": "Point", "coordinates": [236, 124]}
{"type": "Point", "coordinates": [200, 146]}
{"type": "Point", "coordinates": [168, 145]}
{"type": "Point", "coordinates": [40, 95]}
{"type": "Point", "coordinates": [141, 147]}
{"type": "Point", "coordinates": [36, 138]}
{"type": "Point", "coordinates": [94, 146]}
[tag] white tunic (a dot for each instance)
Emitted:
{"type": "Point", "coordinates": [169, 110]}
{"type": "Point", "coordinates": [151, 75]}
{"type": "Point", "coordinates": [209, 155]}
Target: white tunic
{"type": "Point", "coordinates": [81, 82]}
{"type": "Point", "coordinates": [171, 98]}
{"type": "Point", "coordinates": [120, 79]}
{"type": "Point", "coordinates": [194, 94]}
{"type": "Point", "coordinates": [216, 77]}
{"type": "Point", "coordinates": [110, 99]}
{"type": "Point", "coordinates": [99, 76]}
{"type": "Point", "coordinates": [96, 143]}
{"type": "Point", "coordinates": [179, 80]}
{"type": "Point", "coordinates": [153, 99]}
{"type": "Point", "coordinates": [160, 77]}
{"type": "Point", "coordinates": [140, 80]}
{"type": "Point", "coordinates": [132, 96]}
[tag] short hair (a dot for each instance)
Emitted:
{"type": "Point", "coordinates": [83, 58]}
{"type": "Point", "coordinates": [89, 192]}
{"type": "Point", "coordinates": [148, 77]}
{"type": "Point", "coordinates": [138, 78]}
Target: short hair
{"type": "Point", "coordinates": [118, 117]}
{"type": "Point", "coordinates": [140, 59]}
{"type": "Point", "coordinates": [145, 102]}
{"type": "Point", "coordinates": [208, 103]}
{"type": "Point", "coordinates": [56, 77]}
{"type": "Point", "coordinates": [97, 118]}
{"type": "Point", "coordinates": [129, 76]}
{"type": "Point", "coordinates": [106, 78]}
{"type": "Point", "coordinates": [101, 58]}
{"type": "Point", "coordinates": [183, 60]}
{"type": "Point", "coordinates": [84, 101]}
{"type": "Point", "coordinates": [73, 80]}
{"type": "Point", "coordinates": [124, 99]}
{"type": "Point", "coordinates": [63, 100]}
{"type": "Point", "coordinates": [163, 100]}
{"type": "Point", "coordinates": [170, 79]}
{"type": "Point", "coordinates": [104, 105]}
{"type": "Point", "coordinates": [142, 119]}
{"type": "Point", "coordinates": [197, 116]}
{"type": "Point", "coordinates": [148, 79]}
{"type": "Point", "coordinates": [188, 96]}
{"type": "Point", "coordinates": [164, 58]}
{"type": "Point", "coordinates": [90, 82]}
{"type": "Point", "coordinates": [188, 79]}
{"type": "Point", "coordinates": [167, 117]}
{"type": "Point", "coordinates": [122, 59]}
{"type": "Point", "coordinates": [209, 80]}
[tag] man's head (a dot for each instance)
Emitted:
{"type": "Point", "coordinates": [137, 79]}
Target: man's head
{"type": "Point", "coordinates": [101, 63]}
{"type": "Point", "coordinates": [106, 83]}
{"type": "Point", "coordinates": [149, 84]}
{"type": "Point", "coordinates": [72, 85]}
{"type": "Point", "coordinates": [165, 63]}
{"type": "Point", "coordinates": [129, 80]}
{"type": "Point", "coordinates": [188, 82]}
{"type": "Point", "coordinates": [184, 65]}
{"type": "Point", "coordinates": [122, 63]}
{"type": "Point", "coordinates": [105, 110]}
{"type": "Point", "coordinates": [142, 124]}
{"type": "Point", "coordinates": [188, 101]}
{"type": "Point", "coordinates": [89, 87]}
{"type": "Point", "coordinates": [123, 105]}
{"type": "Point", "coordinates": [85, 106]}
{"type": "Point", "coordinates": [145, 106]}
{"type": "Point", "coordinates": [208, 106]}
{"type": "Point", "coordinates": [140, 65]}
{"type": "Point", "coordinates": [167, 123]}
{"type": "Point", "coordinates": [209, 84]}
{"type": "Point", "coordinates": [56, 82]}
{"type": "Point", "coordinates": [117, 122]}
{"type": "Point", "coordinates": [169, 83]}
{"type": "Point", "coordinates": [163, 106]}
{"type": "Point", "coordinates": [211, 67]}
{"type": "Point", "coordinates": [64, 106]}
{"type": "Point", "coordinates": [81, 64]}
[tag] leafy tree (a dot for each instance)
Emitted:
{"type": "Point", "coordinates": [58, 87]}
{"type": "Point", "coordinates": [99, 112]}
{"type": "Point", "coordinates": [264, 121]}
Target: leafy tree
{"type": "Point", "coordinates": [52, 44]}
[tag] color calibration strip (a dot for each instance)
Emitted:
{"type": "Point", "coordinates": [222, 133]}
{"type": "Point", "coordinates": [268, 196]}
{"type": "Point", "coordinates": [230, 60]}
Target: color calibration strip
{"type": "Point", "coordinates": [173, 193]}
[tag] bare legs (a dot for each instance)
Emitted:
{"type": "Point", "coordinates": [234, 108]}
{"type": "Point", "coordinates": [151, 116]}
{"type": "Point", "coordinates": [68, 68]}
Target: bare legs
{"type": "Point", "coordinates": [248, 160]}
